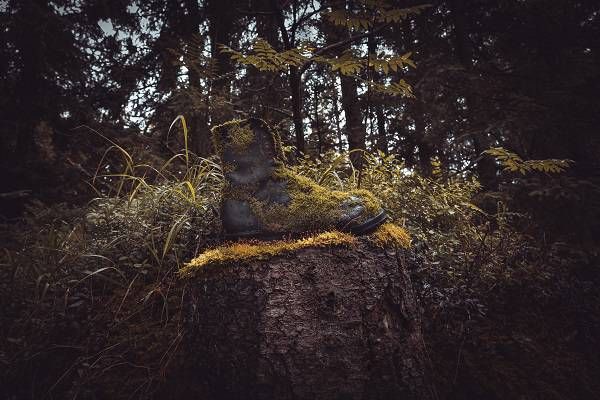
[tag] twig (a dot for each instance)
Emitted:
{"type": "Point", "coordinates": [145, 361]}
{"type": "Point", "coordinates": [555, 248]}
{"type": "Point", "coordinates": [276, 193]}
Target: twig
{"type": "Point", "coordinates": [280, 111]}
{"type": "Point", "coordinates": [17, 194]}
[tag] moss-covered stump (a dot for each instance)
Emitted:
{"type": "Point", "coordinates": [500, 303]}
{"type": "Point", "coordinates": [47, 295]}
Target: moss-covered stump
{"type": "Point", "coordinates": [335, 322]}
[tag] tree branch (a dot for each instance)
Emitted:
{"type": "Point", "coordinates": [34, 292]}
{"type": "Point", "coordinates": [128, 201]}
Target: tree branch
{"type": "Point", "coordinates": [342, 43]}
{"type": "Point", "coordinates": [281, 24]}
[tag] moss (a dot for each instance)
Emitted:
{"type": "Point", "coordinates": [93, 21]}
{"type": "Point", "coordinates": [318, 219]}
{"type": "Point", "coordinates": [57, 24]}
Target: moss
{"type": "Point", "coordinates": [249, 251]}
{"type": "Point", "coordinates": [227, 168]}
{"type": "Point", "coordinates": [390, 234]}
{"type": "Point", "coordinates": [239, 192]}
{"type": "Point", "coordinates": [386, 235]}
{"type": "Point", "coordinates": [219, 135]}
{"type": "Point", "coordinates": [311, 206]}
{"type": "Point", "coordinates": [241, 137]}
{"type": "Point", "coordinates": [280, 155]}
{"type": "Point", "coordinates": [236, 134]}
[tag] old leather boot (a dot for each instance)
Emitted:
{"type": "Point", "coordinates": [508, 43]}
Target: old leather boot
{"type": "Point", "coordinates": [263, 198]}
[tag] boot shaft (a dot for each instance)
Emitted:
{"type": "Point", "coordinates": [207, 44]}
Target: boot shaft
{"type": "Point", "coordinates": [249, 152]}
{"type": "Point", "coordinates": [248, 149]}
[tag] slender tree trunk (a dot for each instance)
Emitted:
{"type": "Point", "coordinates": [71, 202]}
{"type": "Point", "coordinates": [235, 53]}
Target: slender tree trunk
{"type": "Point", "coordinates": [422, 140]}
{"type": "Point", "coordinates": [221, 23]}
{"type": "Point", "coordinates": [417, 151]}
{"type": "Point", "coordinates": [295, 80]}
{"type": "Point", "coordinates": [270, 87]}
{"type": "Point", "coordinates": [486, 169]}
{"type": "Point", "coordinates": [336, 112]}
{"type": "Point", "coordinates": [355, 128]}
{"type": "Point", "coordinates": [382, 142]}
{"type": "Point", "coordinates": [317, 123]}
{"type": "Point", "coordinates": [200, 142]}
{"type": "Point", "coordinates": [31, 100]}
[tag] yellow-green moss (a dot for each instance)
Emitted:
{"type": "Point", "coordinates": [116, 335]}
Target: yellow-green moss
{"type": "Point", "coordinates": [218, 135]}
{"type": "Point", "coordinates": [248, 251]}
{"type": "Point", "coordinates": [241, 137]}
{"type": "Point", "coordinates": [390, 234]}
{"type": "Point", "coordinates": [240, 192]}
{"type": "Point", "coordinates": [311, 205]}
{"type": "Point", "coordinates": [236, 134]}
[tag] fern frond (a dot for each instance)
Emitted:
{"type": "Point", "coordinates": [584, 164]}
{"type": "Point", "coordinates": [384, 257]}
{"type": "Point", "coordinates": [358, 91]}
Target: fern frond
{"type": "Point", "coordinates": [341, 18]}
{"type": "Point", "coordinates": [392, 63]}
{"type": "Point", "coordinates": [379, 11]}
{"type": "Point", "coordinates": [399, 14]}
{"type": "Point", "coordinates": [511, 162]}
{"type": "Point", "coordinates": [347, 64]}
{"type": "Point", "coordinates": [400, 88]}
{"type": "Point", "coordinates": [265, 58]}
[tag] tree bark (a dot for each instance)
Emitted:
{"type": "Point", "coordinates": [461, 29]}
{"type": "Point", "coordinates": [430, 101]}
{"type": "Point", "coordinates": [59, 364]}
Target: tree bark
{"type": "Point", "coordinates": [426, 149]}
{"type": "Point", "coordinates": [269, 95]}
{"type": "Point", "coordinates": [333, 323]}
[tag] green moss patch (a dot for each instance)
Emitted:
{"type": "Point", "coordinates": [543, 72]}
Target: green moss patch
{"type": "Point", "coordinates": [236, 134]}
{"type": "Point", "coordinates": [312, 206]}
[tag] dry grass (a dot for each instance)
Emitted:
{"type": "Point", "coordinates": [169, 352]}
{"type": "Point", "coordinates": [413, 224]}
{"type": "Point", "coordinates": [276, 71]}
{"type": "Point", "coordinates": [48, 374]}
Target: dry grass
{"type": "Point", "coordinates": [90, 297]}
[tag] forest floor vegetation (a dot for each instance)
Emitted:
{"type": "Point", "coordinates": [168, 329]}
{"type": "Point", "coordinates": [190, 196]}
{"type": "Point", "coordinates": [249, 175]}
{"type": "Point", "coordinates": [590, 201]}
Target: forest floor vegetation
{"type": "Point", "coordinates": [92, 302]}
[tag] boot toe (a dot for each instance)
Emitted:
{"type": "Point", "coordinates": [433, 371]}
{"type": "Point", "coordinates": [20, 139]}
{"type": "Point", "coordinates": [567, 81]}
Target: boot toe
{"type": "Point", "coordinates": [358, 219]}
{"type": "Point", "coordinates": [370, 224]}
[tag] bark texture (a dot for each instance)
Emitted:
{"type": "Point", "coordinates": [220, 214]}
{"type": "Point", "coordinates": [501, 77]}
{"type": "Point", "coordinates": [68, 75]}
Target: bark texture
{"type": "Point", "coordinates": [333, 323]}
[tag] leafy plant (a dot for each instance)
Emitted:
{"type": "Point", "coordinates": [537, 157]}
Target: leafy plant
{"type": "Point", "coordinates": [513, 163]}
{"type": "Point", "coordinates": [265, 58]}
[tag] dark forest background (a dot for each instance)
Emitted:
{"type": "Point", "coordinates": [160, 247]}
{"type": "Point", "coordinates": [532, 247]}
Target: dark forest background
{"type": "Point", "coordinates": [430, 86]}
{"type": "Point", "coordinates": [520, 75]}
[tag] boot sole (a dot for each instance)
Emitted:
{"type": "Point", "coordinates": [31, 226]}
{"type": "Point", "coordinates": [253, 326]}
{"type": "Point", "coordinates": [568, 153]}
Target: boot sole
{"type": "Point", "coordinates": [370, 225]}
{"type": "Point", "coordinates": [362, 229]}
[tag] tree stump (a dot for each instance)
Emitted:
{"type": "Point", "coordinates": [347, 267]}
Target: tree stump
{"type": "Point", "coordinates": [318, 323]}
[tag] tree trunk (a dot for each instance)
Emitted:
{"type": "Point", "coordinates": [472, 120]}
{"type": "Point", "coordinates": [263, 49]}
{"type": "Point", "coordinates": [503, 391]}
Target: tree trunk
{"type": "Point", "coordinates": [426, 149]}
{"type": "Point", "coordinates": [296, 93]}
{"type": "Point", "coordinates": [486, 168]}
{"type": "Point", "coordinates": [382, 142]}
{"type": "Point", "coordinates": [221, 17]}
{"type": "Point", "coordinates": [200, 142]}
{"type": "Point", "coordinates": [294, 79]}
{"type": "Point", "coordinates": [31, 100]}
{"type": "Point", "coordinates": [355, 129]}
{"type": "Point", "coordinates": [268, 97]}
{"type": "Point", "coordinates": [333, 323]}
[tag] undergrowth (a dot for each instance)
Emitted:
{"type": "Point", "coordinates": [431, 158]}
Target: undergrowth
{"type": "Point", "coordinates": [92, 304]}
